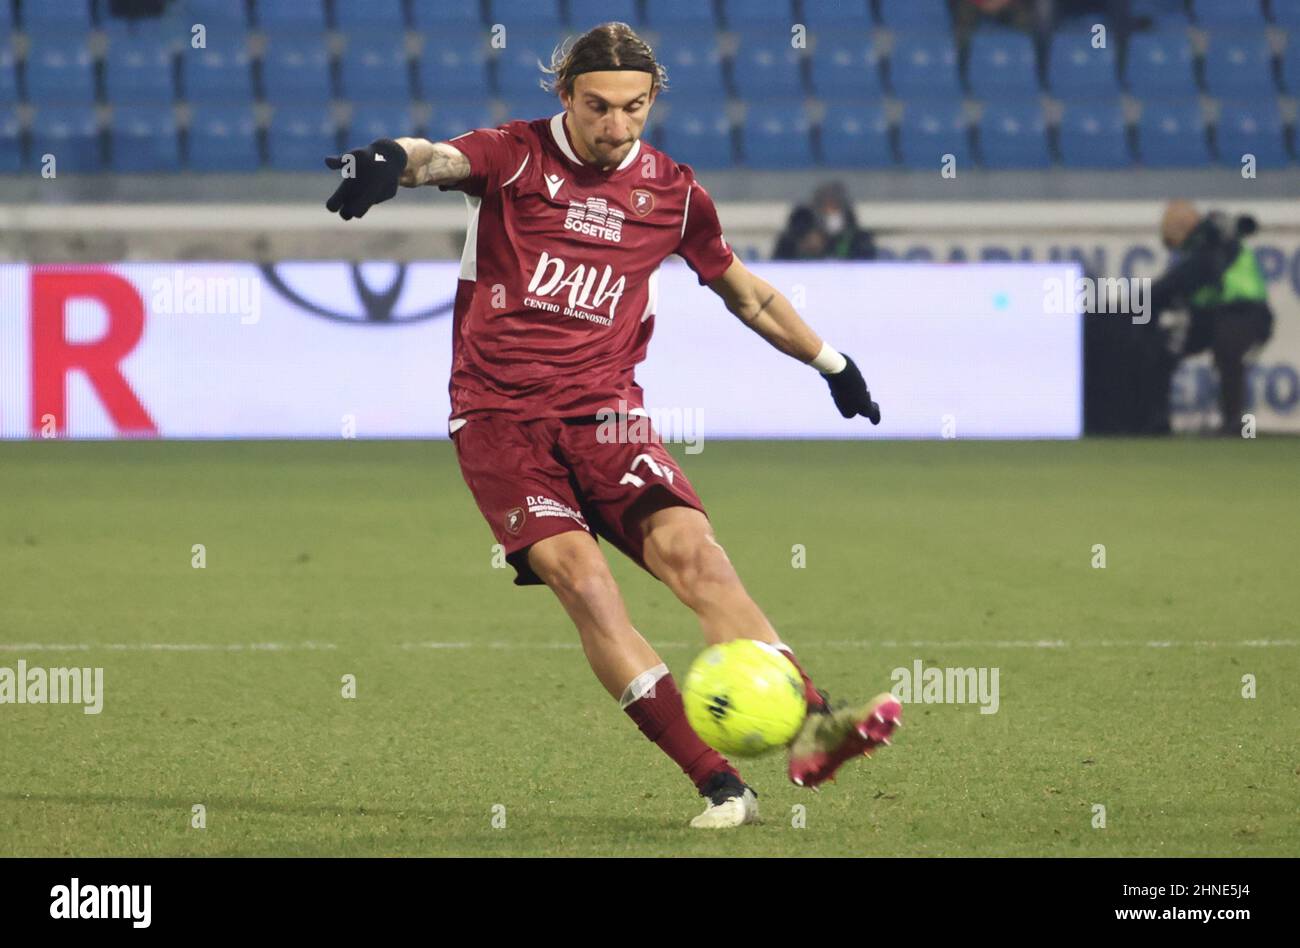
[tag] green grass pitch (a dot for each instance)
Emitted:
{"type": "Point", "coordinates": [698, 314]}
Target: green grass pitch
{"type": "Point", "coordinates": [1120, 687]}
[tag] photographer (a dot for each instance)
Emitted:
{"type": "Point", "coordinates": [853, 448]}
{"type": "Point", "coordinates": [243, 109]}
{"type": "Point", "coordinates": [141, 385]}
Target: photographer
{"type": "Point", "coordinates": [1216, 276]}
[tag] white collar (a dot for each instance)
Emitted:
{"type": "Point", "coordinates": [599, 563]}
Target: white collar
{"type": "Point", "coordinates": [562, 141]}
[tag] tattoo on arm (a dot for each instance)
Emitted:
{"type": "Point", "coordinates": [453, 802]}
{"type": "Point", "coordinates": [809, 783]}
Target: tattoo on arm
{"type": "Point", "coordinates": [762, 309]}
{"type": "Point", "coordinates": [432, 163]}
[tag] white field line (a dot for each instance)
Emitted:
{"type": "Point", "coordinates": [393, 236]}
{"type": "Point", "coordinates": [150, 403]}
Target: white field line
{"type": "Point", "coordinates": [566, 645]}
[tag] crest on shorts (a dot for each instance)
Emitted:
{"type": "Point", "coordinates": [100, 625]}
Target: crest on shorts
{"type": "Point", "coordinates": [515, 520]}
{"type": "Point", "coordinates": [643, 202]}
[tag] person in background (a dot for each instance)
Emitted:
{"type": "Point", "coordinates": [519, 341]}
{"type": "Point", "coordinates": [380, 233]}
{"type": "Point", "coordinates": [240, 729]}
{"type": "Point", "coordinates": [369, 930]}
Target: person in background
{"type": "Point", "coordinates": [826, 230]}
{"type": "Point", "coordinates": [1217, 278]}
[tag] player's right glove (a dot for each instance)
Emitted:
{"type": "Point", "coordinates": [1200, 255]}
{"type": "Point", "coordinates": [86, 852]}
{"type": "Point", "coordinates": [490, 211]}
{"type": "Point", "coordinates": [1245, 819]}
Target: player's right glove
{"type": "Point", "coordinates": [849, 389]}
{"type": "Point", "coordinates": [370, 175]}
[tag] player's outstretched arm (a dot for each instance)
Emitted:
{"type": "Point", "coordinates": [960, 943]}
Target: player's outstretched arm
{"type": "Point", "coordinates": [372, 174]}
{"type": "Point", "coordinates": [765, 309]}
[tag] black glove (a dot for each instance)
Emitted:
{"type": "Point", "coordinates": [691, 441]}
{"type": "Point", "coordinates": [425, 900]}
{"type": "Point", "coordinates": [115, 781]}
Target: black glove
{"type": "Point", "coordinates": [849, 389]}
{"type": "Point", "coordinates": [374, 175]}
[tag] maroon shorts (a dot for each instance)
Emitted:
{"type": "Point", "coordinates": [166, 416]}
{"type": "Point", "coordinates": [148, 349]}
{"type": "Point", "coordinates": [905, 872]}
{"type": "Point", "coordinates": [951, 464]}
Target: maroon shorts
{"type": "Point", "coordinates": [534, 479]}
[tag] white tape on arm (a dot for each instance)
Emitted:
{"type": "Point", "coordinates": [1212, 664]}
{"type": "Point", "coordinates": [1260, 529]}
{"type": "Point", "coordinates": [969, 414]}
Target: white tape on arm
{"type": "Point", "coordinates": [828, 361]}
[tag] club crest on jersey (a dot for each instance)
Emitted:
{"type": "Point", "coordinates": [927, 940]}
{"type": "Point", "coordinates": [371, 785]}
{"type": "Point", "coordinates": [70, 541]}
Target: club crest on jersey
{"type": "Point", "coordinates": [515, 520]}
{"type": "Point", "coordinates": [643, 202]}
{"type": "Point", "coordinates": [595, 218]}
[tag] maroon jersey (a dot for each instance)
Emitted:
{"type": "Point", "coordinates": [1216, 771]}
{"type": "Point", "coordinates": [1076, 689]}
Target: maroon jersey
{"type": "Point", "coordinates": [557, 292]}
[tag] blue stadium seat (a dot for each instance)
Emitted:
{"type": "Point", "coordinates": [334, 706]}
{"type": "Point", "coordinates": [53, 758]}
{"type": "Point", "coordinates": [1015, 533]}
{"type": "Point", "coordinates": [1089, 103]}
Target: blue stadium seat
{"type": "Point", "coordinates": [534, 15]}
{"type": "Point", "coordinates": [694, 68]}
{"type": "Point", "coordinates": [530, 105]}
{"type": "Point", "coordinates": [1239, 64]}
{"type": "Point", "coordinates": [296, 70]}
{"type": "Point", "coordinates": [139, 70]}
{"type": "Point", "coordinates": [11, 140]}
{"type": "Point", "coordinates": [856, 135]}
{"type": "Point", "coordinates": [1172, 134]}
{"type": "Point", "coordinates": [773, 16]}
{"type": "Point", "coordinates": [452, 120]}
{"type": "Point", "coordinates": [374, 66]}
{"type": "Point", "coordinates": [71, 134]}
{"type": "Point", "coordinates": [288, 17]}
{"type": "Point", "coordinates": [8, 73]}
{"type": "Point", "coordinates": [1254, 128]}
{"type": "Point", "coordinates": [299, 138]}
{"type": "Point", "coordinates": [217, 16]}
{"type": "Point", "coordinates": [767, 64]}
{"type": "Point", "coordinates": [678, 15]}
{"type": "Point", "coordinates": [1231, 14]}
{"type": "Point", "coordinates": [517, 68]}
{"type": "Point", "coordinates": [1075, 70]}
{"type": "Point", "coordinates": [1013, 134]}
{"type": "Point", "coordinates": [837, 14]}
{"type": "Point", "coordinates": [385, 119]}
{"type": "Point", "coordinates": [223, 138]}
{"type": "Point", "coordinates": [438, 15]}
{"type": "Point", "coordinates": [777, 135]}
{"type": "Point", "coordinates": [1092, 134]}
{"type": "Point", "coordinates": [930, 129]}
{"type": "Point", "coordinates": [1164, 14]}
{"type": "Point", "coordinates": [924, 65]}
{"type": "Point", "coordinates": [698, 135]}
{"type": "Point", "coordinates": [60, 70]}
{"type": "Point", "coordinates": [1160, 64]}
{"type": "Point", "coordinates": [1290, 65]}
{"type": "Point", "coordinates": [144, 139]}
{"type": "Point", "coordinates": [451, 68]}
{"type": "Point", "coordinates": [916, 15]}
{"type": "Point", "coordinates": [584, 14]}
{"type": "Point", "coordinates": [845, 66]}
{"type": "Point", "coordinates": [62, 19]}
{"type": "Point", "coordinates": [6, 21]}
{"type": "Point", "coordinates": [370, 15]}
{"type": "Point", "coordinates": [1286, 13]}
{"type": "Point", "coordinates": [1002, 63]}
{"type": "Point", "coordinates": [220, 73]}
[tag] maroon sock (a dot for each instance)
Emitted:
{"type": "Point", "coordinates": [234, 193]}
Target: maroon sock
{"type": "Point", "coordinates": [810, 693]}
{"type": "Point", "coordinates": [662, 718]}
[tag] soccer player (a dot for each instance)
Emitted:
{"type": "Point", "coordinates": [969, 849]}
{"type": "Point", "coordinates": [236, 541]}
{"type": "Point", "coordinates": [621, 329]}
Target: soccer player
{"type": "Point", "coordinates": [569, 220]}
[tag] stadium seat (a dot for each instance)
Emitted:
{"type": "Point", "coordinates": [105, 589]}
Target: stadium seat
{"type": "Point", "coordinates": [533, 15]}
{"type": "Point", "coordinates": [139, 69]}
{"type": "Point", "coordinates": [767, 63]}
{"type": "Point", "coordinates": [223, 138]}
{"type": "Point", "coordinates": [63, 19]}
{"type": "Point", "coordinates": [1013, 134]}
{"type": "Point", "coordinates": [299, 138]}
{"type": "Point", "coordinates": [698, 135]}
{"type": "Point", "coordinates": [60, 70]}
{"type": "Point", "coordinates": [924, 65]}
{"type": "Point", "coordinates": [143, 139]}
{"type": "Point", "coordinates": [837, 14]}
{"type": "Point", "coordinates": [584, 14]}
{"type": "Point", "coordinates": [11, 140]}
{"type": "Point", "coordinates": [71, 134]}
{"type": "Point", "coordinates": [777, 135]}
{"type": "Point", "coordinates": [1002, 63]}
{"type": "Point", "coordinates": [370, 16]}
{"type": "Point", "coordinates": [678, 17]}
{"type": "Point", "coordinates": [856, 135]}
{"type": "Point", "coordinates": [296, 70]}
{"type": "Point", "coordinates": [1160, 64]}
{"type": "Point", "coordinates": [440, 15]}
{"type": "Point", "coordinates": [1092, 134]}
{"type": "Point", "coordinates": [916, 15]}
{"type": "Point", "coordinates": [384, 119]}
{"type": "Point", "coordinates": [1163, 14]}
{"type": "Point", "coordinates": [220, 73]}
{"type": "Point", "coordinates": [1254, 128]}
{"type": "Point", "coordinates": [8, 73]}
{"type": "Point", "coordinates": [1291, 65]}
{"type": "Point", "coordinates": [1232, 14]}
{"type": "Point", "coordinates": [1172, 134]}
{"type": "Point", "coordinates": [517, 68]}
{"type": "Point", "coordinates": [530, 105]}
{"type": "Point", "coordinates": [772, 16]}
{"type": "Point", "coordinates": [845, 66]}
{"type": "Point", "coordinates": [1286, 13]}
{"type": "Point", "coordinates": [219, 17]}
{"type": "Point", "coordinates": [452, 120]}
{"type": "Point", "coordinates": [1077, 70]}
{"type": "Point", "coordinates": [290, 17]}
{"type": "Point", "coordinates": [374, 66]}
{"type": "Point", "coordinates": [694, 69]}
{"type": "Point", "coordinates": [449, 69]}
{"type": "Point", "coordinates": [1239, 64]}
{"type": "Point", "coordinates": [930, 129]}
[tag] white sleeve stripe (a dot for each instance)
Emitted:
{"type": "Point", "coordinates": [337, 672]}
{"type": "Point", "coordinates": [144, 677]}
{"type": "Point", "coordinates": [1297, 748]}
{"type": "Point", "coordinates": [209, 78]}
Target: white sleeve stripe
{"type": "Point", "coordinates": [687, 212]}
{"type": "Point", "coordinates": [518, 173]}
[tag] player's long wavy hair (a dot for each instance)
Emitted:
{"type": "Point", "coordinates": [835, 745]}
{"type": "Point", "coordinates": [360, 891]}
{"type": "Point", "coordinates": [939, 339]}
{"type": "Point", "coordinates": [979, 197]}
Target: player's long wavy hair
{"type": "Point", "coordinates": [608, 46]}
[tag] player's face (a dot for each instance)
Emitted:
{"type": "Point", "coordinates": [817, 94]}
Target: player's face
{"type": "Point", "coordinates": [607, 114]}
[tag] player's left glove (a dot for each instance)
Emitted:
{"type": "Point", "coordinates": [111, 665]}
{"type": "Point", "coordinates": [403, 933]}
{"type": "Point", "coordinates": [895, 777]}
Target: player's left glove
{"type": "Point", "coordinates": [849, 389]}
{"type": "Point", "coordinates": [369, 177]}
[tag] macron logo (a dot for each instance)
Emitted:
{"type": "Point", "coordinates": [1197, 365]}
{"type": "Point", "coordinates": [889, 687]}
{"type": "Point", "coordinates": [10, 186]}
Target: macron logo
{"type": "Point", "coordinates": [379, 157]}
{"type": "Point", "coordinates": [553, 184]}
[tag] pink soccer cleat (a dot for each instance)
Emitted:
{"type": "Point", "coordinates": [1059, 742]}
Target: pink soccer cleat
{"type": "Point", "coordinates": [829, 738]}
